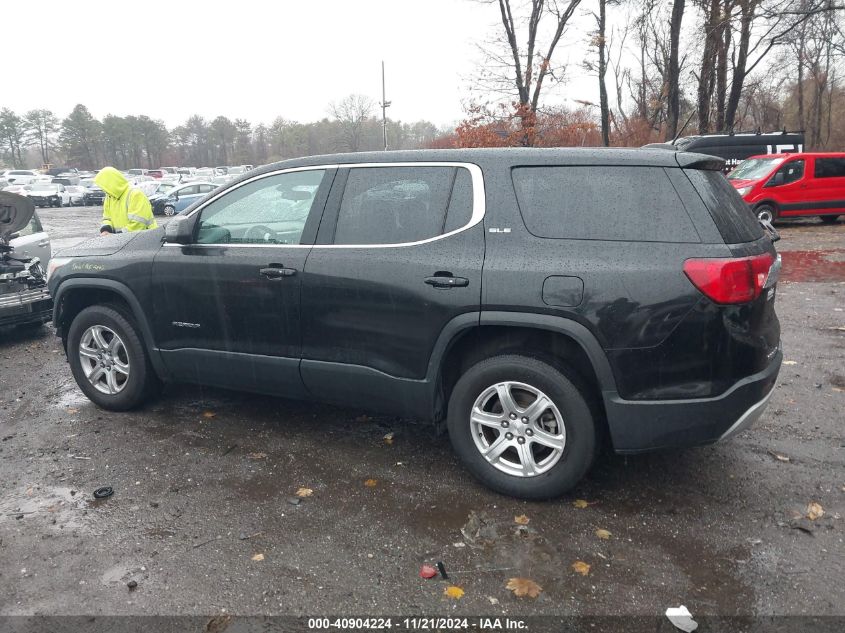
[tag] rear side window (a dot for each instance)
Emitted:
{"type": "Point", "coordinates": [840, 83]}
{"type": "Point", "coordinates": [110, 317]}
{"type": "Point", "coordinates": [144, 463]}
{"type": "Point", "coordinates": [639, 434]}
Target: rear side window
{"type": "Point", "coordinates": [732, 216]}
{"type": "Point", "coordinates": [394, 205]}
{"type": "Point", "coordinates": [830, 168]}
{"type": "Point", "coordinates": [602, 203]}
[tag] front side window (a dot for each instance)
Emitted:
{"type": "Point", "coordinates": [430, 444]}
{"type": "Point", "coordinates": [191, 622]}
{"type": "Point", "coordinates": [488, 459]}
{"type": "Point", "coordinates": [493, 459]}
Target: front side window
{"type": "Point", "coordinates": [397, 205]}
{"type": "Point", "coordinates": [188, 191]}
{"type": "Point", "coordinates": [792, 171]}
{"type": "Point", "coordinates": [272, 210]}
{"type": "Point", "coordinates": [830, 168]}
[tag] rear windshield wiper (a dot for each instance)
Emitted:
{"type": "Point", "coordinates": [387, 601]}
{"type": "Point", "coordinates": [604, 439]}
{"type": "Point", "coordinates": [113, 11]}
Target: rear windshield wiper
{"type": "Point", "coordinates": [770, 230]}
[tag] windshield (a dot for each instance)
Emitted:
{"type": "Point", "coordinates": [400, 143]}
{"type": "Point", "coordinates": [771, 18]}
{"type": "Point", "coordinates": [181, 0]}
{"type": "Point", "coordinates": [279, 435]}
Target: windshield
{"type": "Point", "coordinates": [754, 168]}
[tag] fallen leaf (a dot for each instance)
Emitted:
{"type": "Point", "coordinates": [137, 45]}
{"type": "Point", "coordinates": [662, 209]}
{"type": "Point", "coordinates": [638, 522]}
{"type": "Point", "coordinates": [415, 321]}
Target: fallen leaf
{"type": "Point", "coordinates": [304, 492]}
{"type": "Point", "coordinates": [427, 571]}
{"type": "Point", "coordinates": [256, 455]}
{"type": "Point", "coordinates": [493, 600]}
{"type": "Point", "coordinates": [521, 520]}
{"type": "Point", "coordinates": [581, 567]}
{"type": "Point", "coordinates": [388, 439]}
{"type": "Point", "coordinates": [208, 414]}
{"type": "Point", "coordinates": [581, 503]}
{"type": "Point", "coordinates": [258, 557]}
{"type": "Point", "coordinates": [371, 483]}
{"type": "Point", "coordinates": [779, 456]}
{"type": "Point", "coordinates": [603, 534]}
{"type": "Point", "coordinates": [814, 511]}
{"type": "Point", "coordinates": [524, 587]}
{"type": "Point", "coordinates": [790, 362]}
{"type": "Point", "coordinates": [73, 411]}
{"type": "Point", "coordinates": [456, 593]}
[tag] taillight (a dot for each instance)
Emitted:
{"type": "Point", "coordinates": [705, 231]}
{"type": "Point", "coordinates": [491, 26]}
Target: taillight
{"type": "Point", "coordinates": [730, 280]}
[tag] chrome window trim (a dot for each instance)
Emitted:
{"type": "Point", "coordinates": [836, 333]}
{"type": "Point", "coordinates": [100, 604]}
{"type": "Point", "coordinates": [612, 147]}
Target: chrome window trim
{"type": "Point", "coordinates": [478, 204]}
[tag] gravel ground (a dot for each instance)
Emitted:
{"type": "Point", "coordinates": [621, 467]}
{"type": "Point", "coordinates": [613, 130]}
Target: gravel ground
{"type": "Point", "coordinates": [205, 520]}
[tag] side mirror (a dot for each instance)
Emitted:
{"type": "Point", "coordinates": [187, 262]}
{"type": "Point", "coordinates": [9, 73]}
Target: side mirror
{"type": "Point", "coordinates": [776, 180]}
{"type": "Point", "coordinates": [180, 230]}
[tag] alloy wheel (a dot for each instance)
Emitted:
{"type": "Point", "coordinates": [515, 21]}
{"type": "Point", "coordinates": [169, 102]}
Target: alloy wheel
{"type": "Point", "coordinates": [104, 359]}
{"type": "Point", "coordinates": [518, 429]}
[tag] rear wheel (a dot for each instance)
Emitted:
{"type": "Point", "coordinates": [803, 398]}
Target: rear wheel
{"type": "Point", "coordinates": [522, 427]}
{"type": "Point", "coordinates": [829, 219]}
{"type": "Point", "coordinates": [108, 359]}
{"type": "Point", "coordinates": [766, 212]}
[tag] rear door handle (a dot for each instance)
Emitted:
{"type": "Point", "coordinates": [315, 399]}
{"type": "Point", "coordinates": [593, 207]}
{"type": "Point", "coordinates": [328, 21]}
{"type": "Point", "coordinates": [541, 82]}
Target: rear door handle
{"type": "Point", "coordinates": [439, 281]}
{"type": "Point", "coordinates": [277, 272]}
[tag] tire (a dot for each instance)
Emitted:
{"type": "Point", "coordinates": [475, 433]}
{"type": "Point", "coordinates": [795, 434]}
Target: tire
{"type": "Point", "coordinates": [766, 211]}
{"type": "Point", "coordinates": [557, 470]}
{"type": "Point", "coordinates": [129, 388]}
{"type": "Point", "coordinates": [829, 219]}
{"type": "Point", "coordinates": [169, 210]}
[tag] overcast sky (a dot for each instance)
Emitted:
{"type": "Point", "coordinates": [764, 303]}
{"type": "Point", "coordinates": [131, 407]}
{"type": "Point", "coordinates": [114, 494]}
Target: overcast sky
{"type": "Point", "coordinates": [247, 58]}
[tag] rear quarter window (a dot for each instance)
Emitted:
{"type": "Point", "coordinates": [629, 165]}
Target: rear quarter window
{"type": "Point", "coordinates": [602, 203]}
{"type": "Point", "coordinates": [830, 168]}
{"type": "Point", "coordinates": [732, 216]}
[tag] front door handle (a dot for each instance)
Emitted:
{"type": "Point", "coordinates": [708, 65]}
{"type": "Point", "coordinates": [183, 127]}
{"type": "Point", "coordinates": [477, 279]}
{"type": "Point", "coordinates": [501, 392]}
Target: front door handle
{"type": "Point", "coordinates": [447, 281]}
{"type": "Point", "coordinates": [44, 243]}
{"type": "Point", "coordinates": [277, 272]}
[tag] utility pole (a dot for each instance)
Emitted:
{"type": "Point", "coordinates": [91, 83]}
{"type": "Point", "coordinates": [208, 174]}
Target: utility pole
{"type": "Point", "coordinates": [385, 104]}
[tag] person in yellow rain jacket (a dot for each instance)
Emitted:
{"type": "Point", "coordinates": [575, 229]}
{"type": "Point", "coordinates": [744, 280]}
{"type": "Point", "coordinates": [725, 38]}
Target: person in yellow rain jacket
{"type": "Point", "coordinates": [125, 208]}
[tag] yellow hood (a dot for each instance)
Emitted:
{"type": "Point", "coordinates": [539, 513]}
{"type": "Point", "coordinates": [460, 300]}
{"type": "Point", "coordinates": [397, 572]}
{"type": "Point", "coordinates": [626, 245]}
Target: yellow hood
{"type": "Point", "coordinates": [112, 182]}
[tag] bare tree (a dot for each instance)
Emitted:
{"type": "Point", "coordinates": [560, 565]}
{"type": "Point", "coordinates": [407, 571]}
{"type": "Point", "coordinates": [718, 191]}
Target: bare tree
{"type": "Point", "coordinates": [673, 76]}
{"type": "Point", "coordinates": [599, 41]}
{"type": "Point", "coordinates": [351, 115]}
{"type": "Point", "coordinates": [517, 62]}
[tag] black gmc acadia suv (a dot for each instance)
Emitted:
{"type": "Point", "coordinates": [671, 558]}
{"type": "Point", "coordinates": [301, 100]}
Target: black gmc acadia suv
{"type": "Point", "coordinates": [536, 300]}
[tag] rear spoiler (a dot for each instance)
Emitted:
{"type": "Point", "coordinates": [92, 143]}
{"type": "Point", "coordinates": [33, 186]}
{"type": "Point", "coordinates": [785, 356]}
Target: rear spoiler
{"type": "Point", "coordinates": [689, 160]}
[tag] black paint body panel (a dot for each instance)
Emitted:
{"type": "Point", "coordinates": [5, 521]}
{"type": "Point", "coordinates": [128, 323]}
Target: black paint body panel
{"type": "Point", "coordinates": [359, 326]}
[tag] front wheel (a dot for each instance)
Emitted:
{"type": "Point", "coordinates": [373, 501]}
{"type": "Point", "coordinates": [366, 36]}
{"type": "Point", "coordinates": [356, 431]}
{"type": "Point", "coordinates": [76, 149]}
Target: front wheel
{"type": "Point", "coordinates": [829, 219]}
{"type": "Point", "coordinates": [766, 213]}
{"type": "Point", "coordinates": [108, 359]}
{"type": "Point", "coordinates": [522, 426]}
{"type": "Point", "coordinates": [169, 210]}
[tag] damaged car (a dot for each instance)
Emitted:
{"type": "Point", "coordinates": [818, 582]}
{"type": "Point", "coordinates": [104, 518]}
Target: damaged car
{"type": "Point", "coordinates": [23, 283]}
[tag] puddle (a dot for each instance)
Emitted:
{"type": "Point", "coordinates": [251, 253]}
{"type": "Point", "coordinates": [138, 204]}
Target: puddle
{"type": "Point", "coordinates": [824, 265]}
{"type": "Point", "coordinates": [71, 396]}
{"type": "Point", "coordinates": [37, 502]}
{"type": "Point", "coordinates": [120, 574]}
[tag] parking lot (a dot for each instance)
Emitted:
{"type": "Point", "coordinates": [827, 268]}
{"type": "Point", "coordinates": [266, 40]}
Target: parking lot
{"type": "Point", "coordinates": [205, 516]}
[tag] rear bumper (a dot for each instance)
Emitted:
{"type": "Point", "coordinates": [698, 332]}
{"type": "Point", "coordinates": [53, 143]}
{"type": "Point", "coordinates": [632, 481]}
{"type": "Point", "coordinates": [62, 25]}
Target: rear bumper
{"type": "Point", "coordinates": [638, 426]}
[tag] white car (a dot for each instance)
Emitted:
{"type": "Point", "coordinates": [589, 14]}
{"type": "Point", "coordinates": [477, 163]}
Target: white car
{"type": "Point", "coordinates": [21, 190]}
{"type": "Point", "coordinates": [155, 187]}
{"type": "Point", "coordinates": [45, 194]}
{"type": "Point", "coordinates": [18, 176]}
{"type": "Point", "coordinates": [77, 195]}
{"type": "Point", "coordinates": [33, 241]}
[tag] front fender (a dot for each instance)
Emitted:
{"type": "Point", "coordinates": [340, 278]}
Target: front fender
{"type": "Point", "coordinates": [69, 286]}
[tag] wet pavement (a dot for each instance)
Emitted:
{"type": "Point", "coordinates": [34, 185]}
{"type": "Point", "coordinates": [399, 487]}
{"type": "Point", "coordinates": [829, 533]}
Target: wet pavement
{"type": "Point", "coordinates": [205, 481]}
